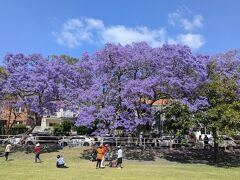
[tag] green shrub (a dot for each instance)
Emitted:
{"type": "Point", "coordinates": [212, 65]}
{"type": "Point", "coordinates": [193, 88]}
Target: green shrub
{"type": "Point", "coordinates": [16, 129]}
{"type": "Point", "coordinates": [63, 129]}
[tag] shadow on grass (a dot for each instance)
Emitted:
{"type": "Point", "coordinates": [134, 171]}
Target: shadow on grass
{"type": "Point", "coordinates": [186, 156]}
{"type": "Point", "coordinates": [226, 159]}
{"type": "Point", "coordinates": [87, 154]}
{"type": "Point", "coordinates": [130, 154]}
{"type": "Point", "coordinates": [140, 154]}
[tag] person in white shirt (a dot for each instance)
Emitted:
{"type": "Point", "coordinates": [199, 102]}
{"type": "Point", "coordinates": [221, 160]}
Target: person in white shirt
{"type": "Point", "coordinates": [8, 150]}
{"type": "Point", "coordinates": [141, 139]}
{"type": "Point", "coordinates": [119, 155]}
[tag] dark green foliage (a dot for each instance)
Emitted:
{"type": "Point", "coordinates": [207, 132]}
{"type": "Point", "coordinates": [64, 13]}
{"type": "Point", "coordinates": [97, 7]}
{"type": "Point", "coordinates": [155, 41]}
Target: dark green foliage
{"type": "Point", "coordinates": [82, 130]}
{"type": "Point", "coordinates": [63, 129]}
{"type": "Point", "coordinates": [16, 129]}
{"type": "Point", "coordinates": [58, 130]}
{"type": "Point", "coordinates": [3, 71]}
{"type": "Point", "coordinates": [223, 113]}
{"type": "Point", "coordinates": [178, 119]}
{"type": "Point", "coordinates": [66, 58]}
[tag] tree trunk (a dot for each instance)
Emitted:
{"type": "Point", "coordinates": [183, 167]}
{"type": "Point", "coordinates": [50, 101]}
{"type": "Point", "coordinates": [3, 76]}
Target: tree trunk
{"type": "Point", "coordinates": [9, 117]}
{"type": "Point", "coordinates": [9, 123]}
{"type": "Point", "coordinates": [215, 140]}
{"type": "Point", "coordinates": [36, 119]}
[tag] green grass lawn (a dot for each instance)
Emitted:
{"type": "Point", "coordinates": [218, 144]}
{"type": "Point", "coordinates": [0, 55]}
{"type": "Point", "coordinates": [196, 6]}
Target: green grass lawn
{"type": "Point", "coordinates": [21, 166]}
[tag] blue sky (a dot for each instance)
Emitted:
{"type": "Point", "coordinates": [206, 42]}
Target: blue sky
{"type": "Point", "coordinates": [74, 26]}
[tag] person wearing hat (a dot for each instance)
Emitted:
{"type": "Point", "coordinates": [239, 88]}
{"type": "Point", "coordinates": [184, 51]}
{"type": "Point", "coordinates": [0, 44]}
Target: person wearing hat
{"type": "Point", "coordinates": [37, 151]}
{"type": "Point", "coordinates": [99, 156]}
{"type": "Point", "coordinates": [8, 150]}
{"type": "Point", "coordinates": [119, 155]}
{"type": "Point", "coordinates": [104, 149]}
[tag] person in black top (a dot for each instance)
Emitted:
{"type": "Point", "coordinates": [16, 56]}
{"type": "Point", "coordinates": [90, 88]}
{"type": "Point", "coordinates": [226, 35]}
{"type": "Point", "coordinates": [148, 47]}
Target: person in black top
{"type": "Point", "coordinates": [205, 140]}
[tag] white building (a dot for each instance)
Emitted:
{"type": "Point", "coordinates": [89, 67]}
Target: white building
{"type": "Point", "coordinates": [49, 121]}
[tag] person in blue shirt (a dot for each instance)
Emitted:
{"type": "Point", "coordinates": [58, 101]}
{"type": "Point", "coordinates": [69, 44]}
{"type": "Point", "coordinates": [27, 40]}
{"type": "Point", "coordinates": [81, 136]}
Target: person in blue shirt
{"type": "Point", "coordinates": [60, 162]}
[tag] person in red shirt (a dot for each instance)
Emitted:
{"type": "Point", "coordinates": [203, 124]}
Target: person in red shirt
{"type": "Point", "coordinates": [105, 152]}
{"type": "Point", "coordinates": [37, 151]}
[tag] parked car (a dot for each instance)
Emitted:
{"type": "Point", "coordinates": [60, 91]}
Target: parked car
{"type": "Point", "coordinates": [76, 140]}
{"type": "Point", "coordinates": [224, 142]}
{"type": "Point", "coordinates": [13, 140]}
{"type": "Point", "coordinates": [166, 141]}
{"type": "Point", "coordinates": [111, 141]}
{"type": "Point", "coordinates": [35, 138]}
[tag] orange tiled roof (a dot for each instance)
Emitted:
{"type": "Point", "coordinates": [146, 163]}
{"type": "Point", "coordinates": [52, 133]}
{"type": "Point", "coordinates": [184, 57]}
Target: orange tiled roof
{"type": "Point", "coordinates": [160, 102]}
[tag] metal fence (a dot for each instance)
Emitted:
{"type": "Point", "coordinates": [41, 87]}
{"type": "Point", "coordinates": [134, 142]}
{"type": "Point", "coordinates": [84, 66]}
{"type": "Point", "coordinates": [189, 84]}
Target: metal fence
{"type": "Point", "coordinates": [79, 141]}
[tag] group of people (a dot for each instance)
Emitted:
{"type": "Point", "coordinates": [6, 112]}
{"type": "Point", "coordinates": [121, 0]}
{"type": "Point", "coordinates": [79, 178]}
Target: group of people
{"type": "Point", "coordinates": [37, 151]}
{"type": "Point", "coordinates": [60, 163]}
{"type": "Point", "coordinates": [102, 153]}
{"type": "Point", "coordinates": [204, 140]}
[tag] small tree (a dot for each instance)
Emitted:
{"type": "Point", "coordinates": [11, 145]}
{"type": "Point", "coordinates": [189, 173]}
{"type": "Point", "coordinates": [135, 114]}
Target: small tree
{"type": "Point", "coordinates": [178, 119]}
{"type": "Point", "coordinates": [63, 129]}
{"type": "Point", "coordinates": [222, 91]}
{"type": "Point", "coordinates": [82, 130]}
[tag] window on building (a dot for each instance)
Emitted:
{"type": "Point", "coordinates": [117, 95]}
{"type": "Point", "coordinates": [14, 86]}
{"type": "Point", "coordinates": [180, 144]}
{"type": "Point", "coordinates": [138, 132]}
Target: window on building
{"type": "Point", "coordinates": [18, 110]}
{"type": "Point", "coordinates": [1, 107]}
{"type": "Point", "coordinates": [18, 122]}
{"type": "Point", "coordinates": [52, 124]}
{"type": "Point", "coordinates": [3, 123]}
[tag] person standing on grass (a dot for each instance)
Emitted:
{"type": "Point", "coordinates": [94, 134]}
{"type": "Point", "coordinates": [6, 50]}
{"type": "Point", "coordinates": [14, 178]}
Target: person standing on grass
{"type": "Point", "coordinates": [141, 139]}
{"type": "Point", "coordinates": [7, 150]}
{"type": "Point", "coordinates": [37, 151]}
{"type": "Point", "coordinates": [94, 155]}
{"type": "Point", "coordinates": [99, 156]}
{"type": "Point", "coordinates": [105, 152]}
{"type": "Point", "coordinates": [119, 155]}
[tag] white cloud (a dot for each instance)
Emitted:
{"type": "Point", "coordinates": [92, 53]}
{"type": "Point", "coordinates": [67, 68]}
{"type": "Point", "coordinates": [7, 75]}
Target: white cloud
{"type": "Point", "coordinates": [94, 23]}
{"type": "Point", "coordinates": [68, 39]}
{"type": "Point", "coordinates": [72, 24]}
{"type": "Point", "coordinates": [195, 41]}
{"type": "Point", "coordinates": [173, 17]}
{"type": "Point", "coordinates": [171, 41]}
{"type": "Point", "coordinates": [125, 35]}
{"type": "Point", "coordinates": [183, 18]}
{"type": "Point", "coordinates": [76, 32]}
{"type": "Point", "coordinates": [196, 23]}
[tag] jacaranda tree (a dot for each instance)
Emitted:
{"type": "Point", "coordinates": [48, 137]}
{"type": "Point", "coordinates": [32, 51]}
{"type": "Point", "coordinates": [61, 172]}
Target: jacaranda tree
{"type": "Point", "coordinates": [128, 79]}
{"type": "Point", "coordinates": [41, 85]}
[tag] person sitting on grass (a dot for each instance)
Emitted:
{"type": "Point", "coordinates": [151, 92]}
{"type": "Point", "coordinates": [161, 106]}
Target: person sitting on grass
{"type": "Point", "coordinates": [113, 163]}
{"type": "Point", "coordinates": [60, 162]}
